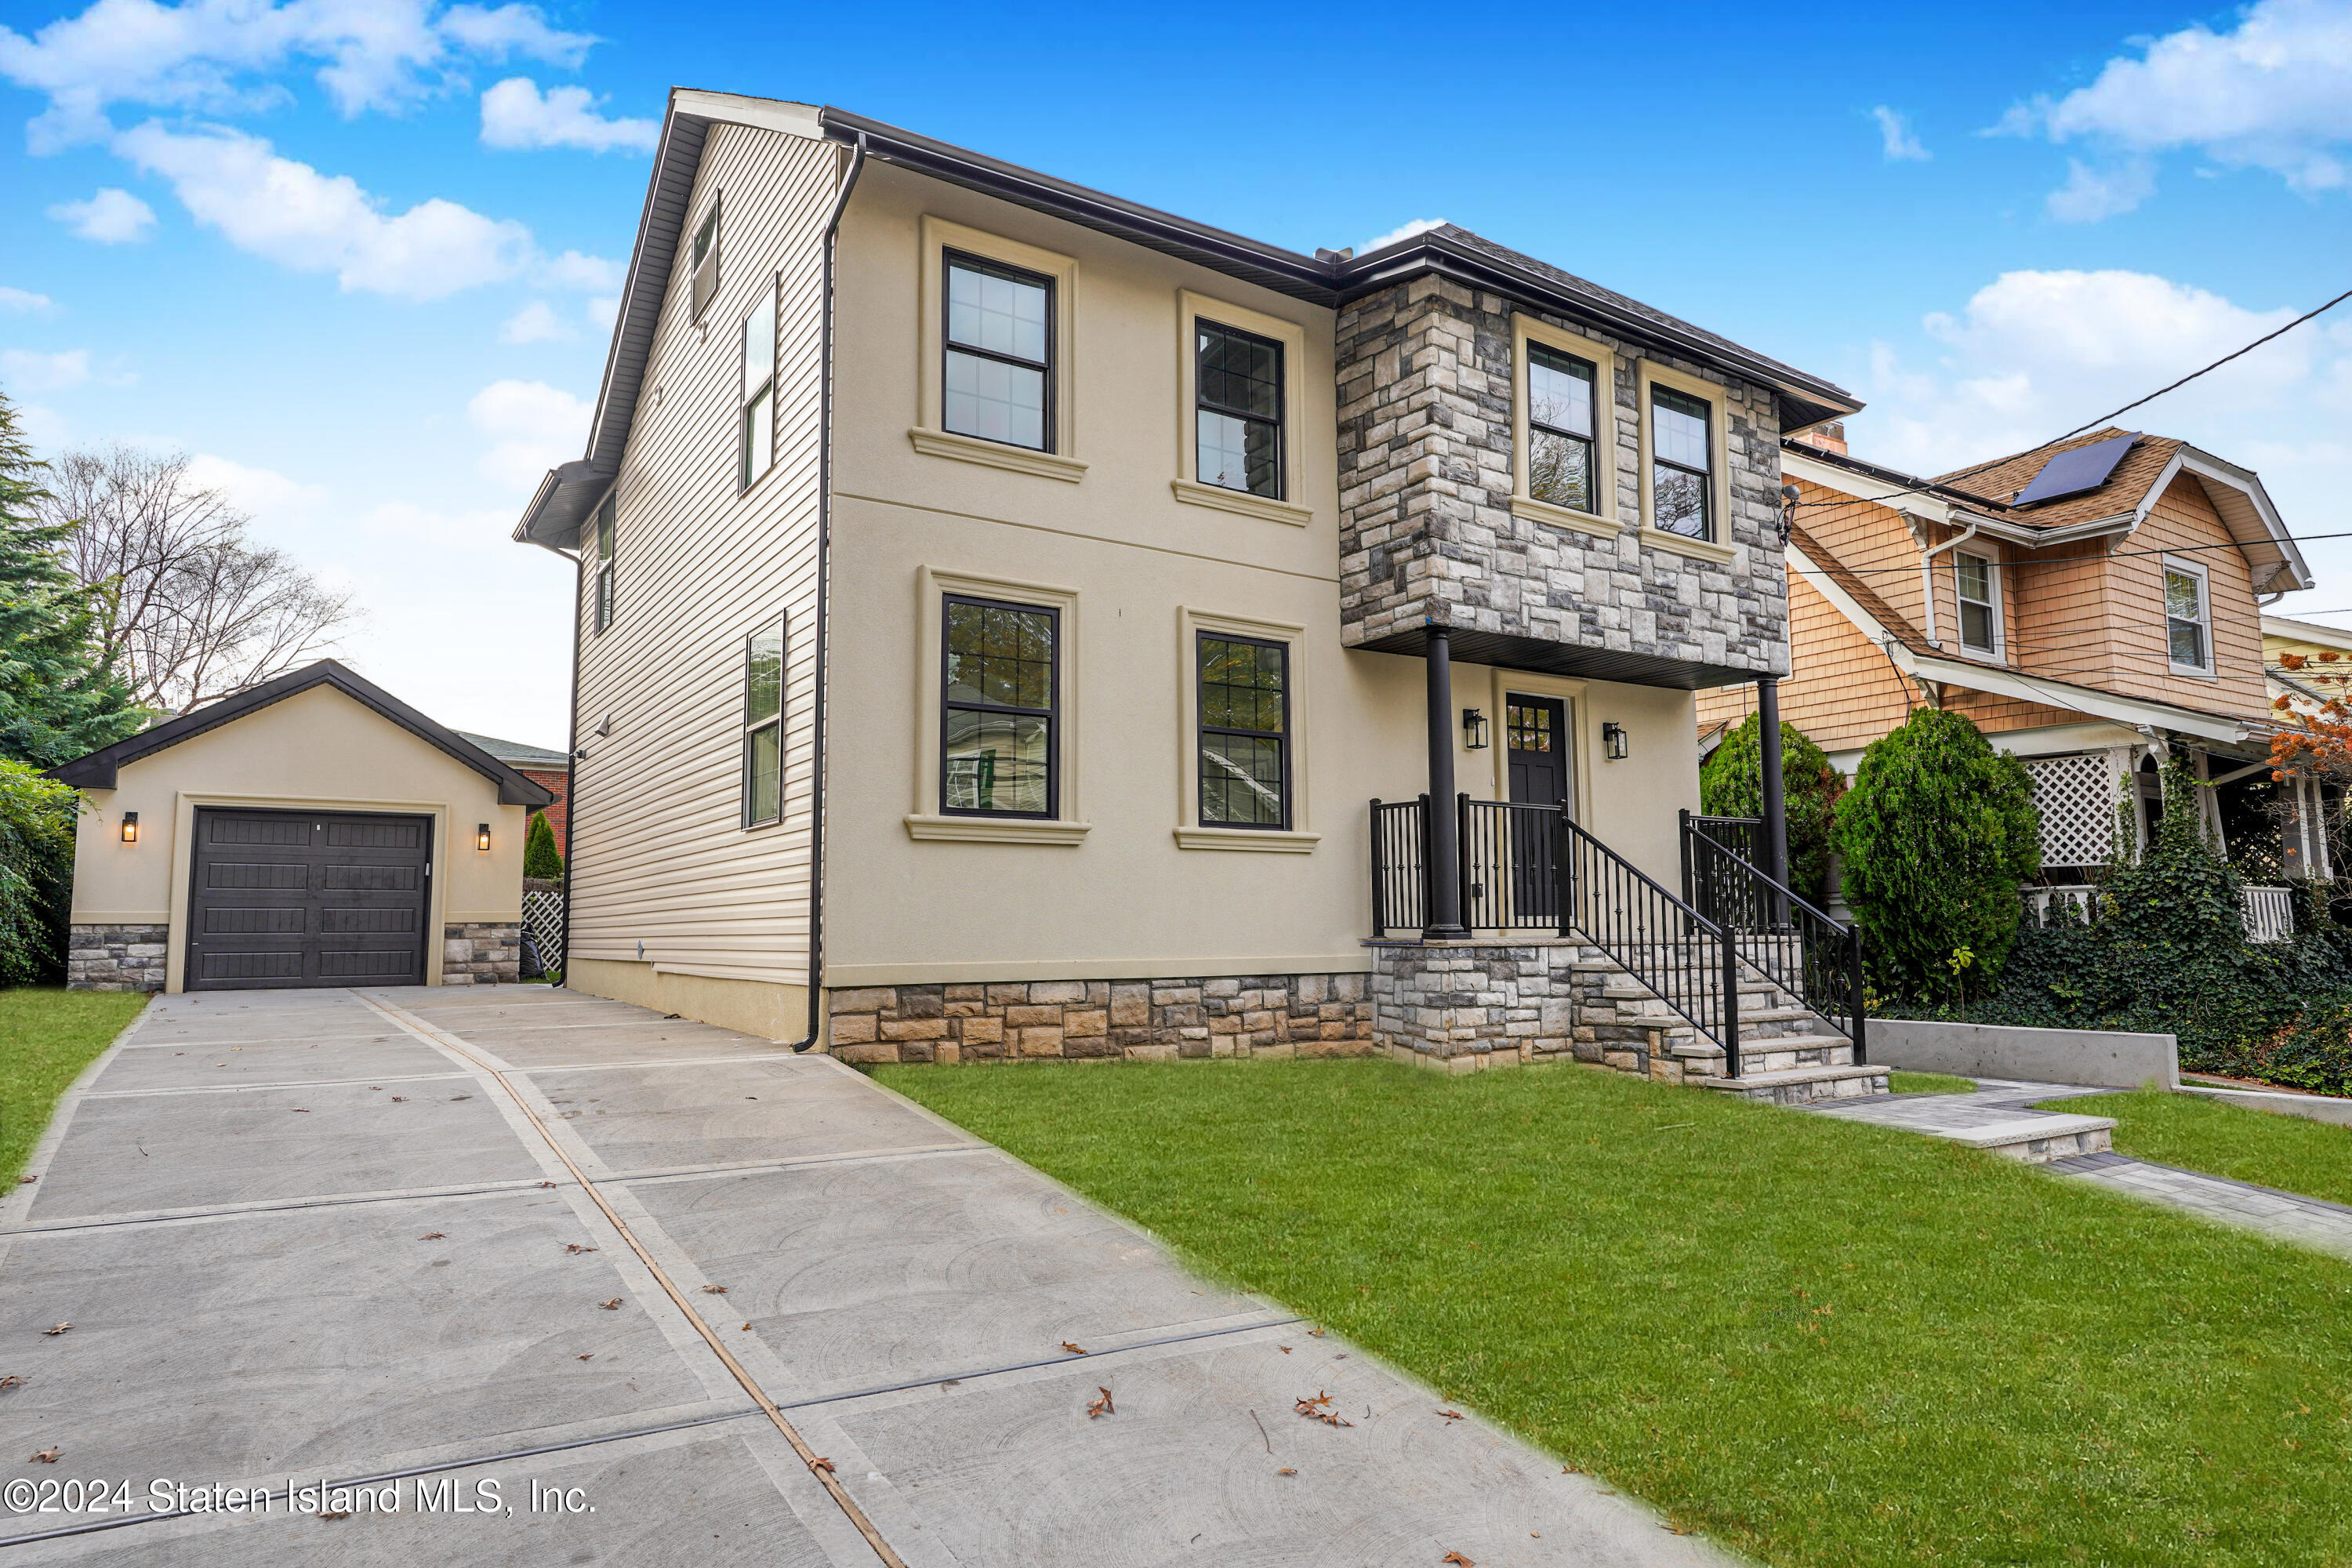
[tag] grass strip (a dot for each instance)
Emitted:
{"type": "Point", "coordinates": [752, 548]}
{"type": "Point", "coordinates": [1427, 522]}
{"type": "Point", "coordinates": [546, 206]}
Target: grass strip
{"type": "Point", "coordinates": [46, 1036]}
{"type": "Point", "coordinates": [1930, 1083]}
{"type": "Point", "coordinates": [2264, 1147]}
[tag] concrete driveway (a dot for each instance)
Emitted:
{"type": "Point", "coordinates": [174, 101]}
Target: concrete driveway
{"type": "Point", "coordinates": [304, 1242]}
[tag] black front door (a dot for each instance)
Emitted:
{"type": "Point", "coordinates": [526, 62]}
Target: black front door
{"type": "Point", "coordinates": [1535, 738]}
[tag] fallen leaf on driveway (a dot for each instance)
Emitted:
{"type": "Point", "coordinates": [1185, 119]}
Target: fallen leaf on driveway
{"type": "Point", "coordinates": [46, 1456]}
{"type": "Point", "coordinates": [400, 1100]}
{"type": "Point", "coordinates": [1455, 1557]}
{"type": "Point", "coordinates": [299, 1110]}
{"type": "Point", "coordinates": [455, 1097]}
{"type": "Point", "coordinates": [339, 1513]}
{"type": "Point", "coordinates": [1318, 1333]}
{"type": "Point", "coordinates": [612, 1306]}
{"type": "Point", "coordinates": [434, 1236]}
{"type": "Point", "coordinates": [575, 1247]}
{"type": "Point", "coordinates": [12, 1381]}
{"type": "Point", "coordinates": [714, 1290]}
{"type": "Point", "coordinates": [1451, 1415]}
{"type": "Point", "coordinates": [61, 1328]}
{"type": "Point", "coordinates": [547, 1184]}
{"type": "Point", "coordinates": [1102, 1407]}
{"type": "Point", "coordinates": [1283, 1349]}
{"type": "Point", "coordinates": [22, 1180]}
{"type": "Point", "coordinates": [1319, 1408]}
{"type": "Point", "coordinates": [1074, 1349]}
{"type": "Point", "coordinates": [590, 1357]}
{"type": "Point", "coordinates": [822, 1464]}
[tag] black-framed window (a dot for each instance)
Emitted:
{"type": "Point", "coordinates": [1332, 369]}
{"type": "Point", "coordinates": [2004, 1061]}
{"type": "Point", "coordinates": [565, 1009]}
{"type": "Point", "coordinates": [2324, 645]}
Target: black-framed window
{"type": "Point", "coordinates": [604, 564]}
{"type": "Point", "coordinates": [1238, 413]}
{"type": "Point", "coordinates": [999, 727]}
{"type": "Point", "coordinates": [1973, 587]}
{"type": "Point", "coordinates": [706, 261]}
{"type": "Point", "coordinates": [1681, 458]}
{"type": "Point", "coordinates": [998, 379]}
{"type": "Point", "coordinates": [763, 726]}
{"type": "Point", "coordinates": [1560, 428]}
{"type": "Point", "coordinates": [1245, 750]}
{"type": "Point", "coordinates": [758, 389]}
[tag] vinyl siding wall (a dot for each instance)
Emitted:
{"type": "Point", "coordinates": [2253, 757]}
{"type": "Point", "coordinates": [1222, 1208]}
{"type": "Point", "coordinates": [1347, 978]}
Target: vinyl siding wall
{"type": "Point", "coordinates": [660, 857]}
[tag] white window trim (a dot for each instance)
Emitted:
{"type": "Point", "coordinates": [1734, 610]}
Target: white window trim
{"type": "Point", "coordinates": [780, 624]}
{"type": "Point", "coordinates": [1603, 520]}
{"type": "Point", "coordinates": [1296, 839]}
{"type": "Point", "coordinates": [929, 434]}
{"type": "Point", "coordinates": [2210, 669]}
{"type": "Point", "coordinates": [1188, 485]}
{"type": "Point", "coordinates": [713, 218]}
{"type": "Point", "coordinates": [927, 821]}
{"type": "Point", "coordinates": [1716, 397]}
{"type": "Point", "coordinates": [1999, 650]}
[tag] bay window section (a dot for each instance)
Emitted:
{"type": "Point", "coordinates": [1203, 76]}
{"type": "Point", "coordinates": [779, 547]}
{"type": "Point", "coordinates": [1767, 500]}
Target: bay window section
{"type": "Point", "coordinates": [1000, 691]}
{"type": "Point", "coordinates": [1559, 429]}
{"type": "Point", "coordinates": [1237, 383]}
{"type": "Point", "coordinates": [763, 726]}
{"type": "Point", "coordinates": [1681, 461]}
{"type": "Point", "coordinates": [758, 400]}
{"type": "Point", "coordinates": [1245, 740]}
{"type": "Point", "coordinates": [997, 382]}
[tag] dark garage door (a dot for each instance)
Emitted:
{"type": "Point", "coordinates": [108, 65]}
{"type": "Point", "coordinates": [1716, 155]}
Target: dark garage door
{"type": "Point", "coordinates": [286, 899]}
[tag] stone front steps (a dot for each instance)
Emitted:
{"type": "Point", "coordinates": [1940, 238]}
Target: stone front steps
{"type": "Point", "coordinates": [1788, 1055]}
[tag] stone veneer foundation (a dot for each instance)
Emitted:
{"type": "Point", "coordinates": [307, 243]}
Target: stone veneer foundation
{"type": "Point", "coordinates": [481, 953]}
{"type": "Point", "coordinates": [1224, 1015]}
{"type": "Point", "coordinates": [117, 958]}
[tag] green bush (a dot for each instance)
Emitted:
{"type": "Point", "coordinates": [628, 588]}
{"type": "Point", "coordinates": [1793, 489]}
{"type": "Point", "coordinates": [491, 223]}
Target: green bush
{"type": "Point", "coordinates": [1938, 832]}
{"type": "Point", "coordinates": [1732, 785]}
{"type": "Point", "coordinates": [540, 855]}
{"type": "Point", "coordinates": [37, 846]}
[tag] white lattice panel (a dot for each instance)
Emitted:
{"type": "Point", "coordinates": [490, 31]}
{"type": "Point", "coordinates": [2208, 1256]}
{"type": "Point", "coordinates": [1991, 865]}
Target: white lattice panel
{"type": "Point", "coordinates": [2076, 799]}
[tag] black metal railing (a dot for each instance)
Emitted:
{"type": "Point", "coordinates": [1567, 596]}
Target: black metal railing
{"type": "Point", "coordinates": [1510, 865]}
{"type": "Point", "coordinates": [1743, 835]}
{"type": "Point", "coordinates": [1660, 940]}
{"type": "Point", "coordinates": [1399, 856]}
{"type": "Point", "coordinates": [1805, 953]}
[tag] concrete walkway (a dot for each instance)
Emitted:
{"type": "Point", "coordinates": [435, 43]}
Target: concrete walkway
{"type": "Point", "coordinates": [299, 1235]}
{"type": "Point", "coordinates": [2002, 1113]}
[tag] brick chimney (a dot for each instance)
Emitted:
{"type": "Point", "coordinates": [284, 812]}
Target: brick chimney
{"type": "Point", "coordinates": [1829, 437]}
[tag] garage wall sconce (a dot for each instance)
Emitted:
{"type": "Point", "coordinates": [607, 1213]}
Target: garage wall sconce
{"type": "Point", "coordinates": [131, 828]}
{"type": "Point", "coordinates": [1474, 730]}
{"type": "Point", "coordinates": [1612, 742]}
{"type": "Point", "coordinates": [482, 838]}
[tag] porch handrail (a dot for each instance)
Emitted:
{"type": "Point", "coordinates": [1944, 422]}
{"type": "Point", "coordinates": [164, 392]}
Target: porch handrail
{"type": "Point", "coordinates": [1801, 948]}
{"type": "Point", "coordinates": [1685, 960]}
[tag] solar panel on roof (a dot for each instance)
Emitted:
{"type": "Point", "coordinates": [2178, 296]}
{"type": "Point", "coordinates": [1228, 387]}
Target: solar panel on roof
{"type": "Point", "coordinates": [2069, 473]}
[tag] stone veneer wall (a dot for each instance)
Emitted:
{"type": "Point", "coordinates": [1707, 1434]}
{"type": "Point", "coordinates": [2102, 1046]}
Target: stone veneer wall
{"type": "Point", "coordinates": [117, 958]}
{"type": "Point", "coordinates": [481, 953]}
{"type": "Point", "coordinates": [1426, 532]}
{"type": "Point", "coordinates": [1226, 1015]}
{"type": "Point", "coordinates": [1464, 1005]}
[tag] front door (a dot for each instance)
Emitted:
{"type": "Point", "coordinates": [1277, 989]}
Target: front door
{"type": "Point", "coordinates": [1535, 740]}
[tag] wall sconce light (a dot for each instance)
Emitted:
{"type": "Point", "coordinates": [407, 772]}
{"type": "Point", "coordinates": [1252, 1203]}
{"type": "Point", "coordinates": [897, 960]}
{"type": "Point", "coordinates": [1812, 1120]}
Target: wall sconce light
{"type": "Point", "coordinates": [1612, 742]}
{"type": "Point", "coordinates": [131, 828]}
{"type": "Point", "coordinates": [1474, 730]}
{"type": "Point", "coordinates": [482, 837]}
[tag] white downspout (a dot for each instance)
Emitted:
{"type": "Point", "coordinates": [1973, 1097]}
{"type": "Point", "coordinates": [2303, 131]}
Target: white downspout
{"type": "Point", "coordinates": [1927, 572]}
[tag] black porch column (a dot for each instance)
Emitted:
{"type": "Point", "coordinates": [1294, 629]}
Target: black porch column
{"type": "Point", "coordinates": [1775, 811]}
{"type": "Point", "coordinates": [1445, 869]}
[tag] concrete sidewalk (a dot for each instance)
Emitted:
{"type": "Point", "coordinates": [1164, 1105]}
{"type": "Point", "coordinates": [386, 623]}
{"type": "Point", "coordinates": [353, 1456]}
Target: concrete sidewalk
{"type": "Point", "coordinates": [299, 1235]}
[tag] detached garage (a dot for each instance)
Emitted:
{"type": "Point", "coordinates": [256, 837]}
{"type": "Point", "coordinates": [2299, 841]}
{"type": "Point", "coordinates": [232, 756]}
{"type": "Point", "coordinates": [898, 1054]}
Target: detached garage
{"type": "Point", "coordinates": [315, 830]}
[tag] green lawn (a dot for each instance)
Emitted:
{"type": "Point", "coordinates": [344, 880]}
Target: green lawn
{"type": "Point", "coordinates": [46, 1038]}
{"type": "Point", "coordinates": [2263, 1147]}
{"type": "Point", "coordinates": [1929, 1083]}
{"type": "Point", "coordinates": [1817, 1341]}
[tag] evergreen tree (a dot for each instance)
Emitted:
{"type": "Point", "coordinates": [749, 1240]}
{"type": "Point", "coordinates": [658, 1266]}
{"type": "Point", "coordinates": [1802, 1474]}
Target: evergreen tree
{"type": "Point", "coordinates": [1732, 785]}
{"type": "Point", "coordinates": [540, 855]}
{"type": "Point", "coordinates": [57, 700]}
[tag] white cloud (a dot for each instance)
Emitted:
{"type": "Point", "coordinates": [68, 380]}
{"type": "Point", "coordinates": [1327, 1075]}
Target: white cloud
{"type": "Point", "coordinates": [408, 523]}
{"type": "Point", "coordinates": [604, 311]}
{"type": "Point", "coordinates": [1895, 135]}
{"type": "Point", "coordinates": [2090, 194]}
{"type": "Point", "coordinates": [25, 371]}
{"type": "Point", "coordinates": [266, 493]}
{"type": "Point", "coordinates": [2274, 93]}
{"type": "Point", "coordinates": [109, 218]}
{"type": "Point", "coordinates": [536, 322]}
{"type": "Point", "coordinates": [25, 301]}
{"type": "Point", "coordinates": [291, 214]}
{"type": "Point", "coordinates": [590, 274]}
{"type": "Point", "coordinates": [533, 426]}
{"type": "Point", "coordinates": [516, 114]}
{"type": "Point", "coordinates": [1402, 231]}
{"type": "Point", "coordinates": [213, 55]}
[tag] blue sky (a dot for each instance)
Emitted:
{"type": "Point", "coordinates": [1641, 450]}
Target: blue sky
{"type": "Point", "coordinates": [358, 255]}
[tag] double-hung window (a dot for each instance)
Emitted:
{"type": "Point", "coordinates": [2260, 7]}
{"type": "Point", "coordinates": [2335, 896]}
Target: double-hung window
{"type": "Point", "coordinates": [1237, 415]}
{"type": "Point", "coordinates": [997, 382]}
{"type": "Point", "coordinates": [1681, 461]}
{"type": "Point", "coordinates": [1001, 696]}
{"type": "Point", "coordinates": [758, 443]}
{"type": "Point", "coordinates": [604, 564]}
{"type": "Point", "coordinates": [1979, 614]}
{"type": "Point", "coordinates": [763, 726]}
{"type": "Point", "coordinates": [1245, 744]}
{"type": "Point", "coordinates": [706, 262]}
{"type": "Point", "coordinates": [1560, 428]}
{"type": "Point", "coordinates": [2188, 618]}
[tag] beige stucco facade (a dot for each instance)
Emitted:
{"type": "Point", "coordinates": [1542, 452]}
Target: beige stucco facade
{"type": "Point", "coordinates": [318, 749]}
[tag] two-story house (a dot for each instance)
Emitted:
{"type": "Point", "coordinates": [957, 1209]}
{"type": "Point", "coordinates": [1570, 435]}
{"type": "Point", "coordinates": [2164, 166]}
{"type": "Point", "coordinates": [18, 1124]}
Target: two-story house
{"type": "Point", "coordinates": [1000, 603]}
{"type": "Point", "coordinates": [2093, 605]}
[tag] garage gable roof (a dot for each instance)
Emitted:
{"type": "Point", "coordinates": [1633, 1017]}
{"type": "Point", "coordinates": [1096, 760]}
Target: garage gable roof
{"type": "Point", "coordinates": [97, 769]}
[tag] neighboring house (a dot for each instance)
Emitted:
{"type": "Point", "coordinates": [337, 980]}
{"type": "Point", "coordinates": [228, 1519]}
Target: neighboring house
{"type": "Point", "coordinates": [1000, 603]}
{"type": "Point", "coordinates": [312, 830]}
{"type": "Point", "coordinates": [2308, 666]}
{"type": "Point", "coordinates": [2092, 605]}
{"type": "Point", "coordinates": [550, 771]}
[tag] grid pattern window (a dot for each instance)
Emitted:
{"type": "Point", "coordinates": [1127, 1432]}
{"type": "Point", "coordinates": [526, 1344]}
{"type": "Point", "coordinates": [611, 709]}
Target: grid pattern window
{"type": "Point", "coordinates": [1560, 428]}
{"type": "Point", "coordinates": [1238, 416]}
{"type": "Point", "coordinates": [1244, 732]}
{"type": "Point", "coordinates": [758, 443]}
{"type": "Point", "coordinates": [999, 744]}
{"type": "Point", "coordinates": [1681, 453]}
{"type": "Point", "coordinates": [763, 726]}
{"type": "Point", "coordinates": [1979, 616]}
{"type": "Point", "coordinates": [2188, 618]}
{"type": "Point", "coordinates": [706, 262]}
{"type": "Point", "coordinates": [1527, 727]}
{"type": "Point", "coordinates": [997, 380]}
{"type": "Point", "coordinates": [604, 564]}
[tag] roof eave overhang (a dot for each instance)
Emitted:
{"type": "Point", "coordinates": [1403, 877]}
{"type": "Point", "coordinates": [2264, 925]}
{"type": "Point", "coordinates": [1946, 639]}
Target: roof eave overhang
{"type": "Point", "coordinates": [2246, 511]}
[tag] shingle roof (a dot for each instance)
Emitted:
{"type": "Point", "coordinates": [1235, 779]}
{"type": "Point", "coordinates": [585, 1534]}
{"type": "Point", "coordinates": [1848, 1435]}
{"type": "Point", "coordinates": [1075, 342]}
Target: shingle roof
{"type": "Point", "coordinates": [2125, 487]}
{"type": "Point", "coordinates": [515, 755]}
{"type": "Point", "coordinates": [1858, 590]}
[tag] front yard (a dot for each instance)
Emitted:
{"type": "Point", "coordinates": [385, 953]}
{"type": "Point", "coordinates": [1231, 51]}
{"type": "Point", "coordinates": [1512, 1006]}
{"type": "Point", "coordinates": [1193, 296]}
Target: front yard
{"type": "Point", "coordinates": [2263, 1147]}
{"type": "Point", "coordinates": [1816, 1341]}
{"type": "Point", "coordinates": [46, 1036]}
